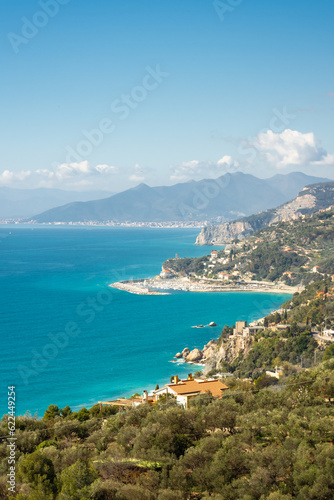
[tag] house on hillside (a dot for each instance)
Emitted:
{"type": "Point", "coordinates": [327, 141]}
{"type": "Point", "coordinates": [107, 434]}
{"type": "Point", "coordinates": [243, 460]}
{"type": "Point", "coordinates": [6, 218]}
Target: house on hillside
{"type": "Point", "coordinates": [130, 402]}
{"type": "Point", "coordinates": [224, 276]}
{"type": "Point", "coordinates": [329, 334]}
{"type": "Point", "coordinates": [185, 390]}
{"type": "Point", "coordinates": [252, 330]}
{"type": "Point", "coordinates": [276, 374]}
{"type": "Point", "coordinates": [214, 255]}
{"type": "Point", "coordinates": [315, 269]}
{"type": "Point", "coordinates": [165, 274]}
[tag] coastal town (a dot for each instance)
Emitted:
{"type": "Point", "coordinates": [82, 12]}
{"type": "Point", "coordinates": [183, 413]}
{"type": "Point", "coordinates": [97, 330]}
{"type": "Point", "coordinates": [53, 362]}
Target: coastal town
{"type": "Point", "coordinates": [167, 282]}
{"type": "Point", "coordinates": [279, 259]}
{"type": "Point", "coordinates": [195, 224]}
{"type": "Point", "coordinates": [292, 257]}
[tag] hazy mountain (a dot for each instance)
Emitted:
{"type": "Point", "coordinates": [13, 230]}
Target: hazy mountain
{"type": "Point", "coordinates": [225, 198]}
{"type": "Point", "coordinates": [310, 200]}
{"type": "Point", "coordinates": [16, 203]}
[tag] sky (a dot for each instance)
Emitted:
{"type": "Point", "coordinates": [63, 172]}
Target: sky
{"type": "Point", "coordinates": [107, 94]}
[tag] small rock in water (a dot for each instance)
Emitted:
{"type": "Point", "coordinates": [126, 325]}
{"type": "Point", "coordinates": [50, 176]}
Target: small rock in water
{"type": "Point", "coordinates": [185, 352]}
{"type": "Point", "coordinates": [178, 355]}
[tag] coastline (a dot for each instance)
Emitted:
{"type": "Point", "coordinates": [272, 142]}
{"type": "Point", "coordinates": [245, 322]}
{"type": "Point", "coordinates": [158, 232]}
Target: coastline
{"type": "Point", "coordinates": [137, 287]}
{"type": "Point", "coordinates": [159, 286]}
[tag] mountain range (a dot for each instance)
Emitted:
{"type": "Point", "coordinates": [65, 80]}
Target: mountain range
{"type": "Point", "coordinates": [209, 200]}
{"type": "Point", "coordinates": [311, 199]}
{"type": "Point", "coordinates": [22, 203]}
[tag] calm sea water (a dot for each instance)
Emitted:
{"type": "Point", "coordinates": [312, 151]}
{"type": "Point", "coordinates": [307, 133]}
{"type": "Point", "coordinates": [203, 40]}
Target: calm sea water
{"type": "Point", "coordinates": [68, 338]}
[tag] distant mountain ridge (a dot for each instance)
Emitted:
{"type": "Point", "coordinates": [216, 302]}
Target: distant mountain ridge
{"type": "Point", "coordinates": [21, 203]}
{"type": "Point", "coordinates": [311, 199]}
{"type": "Point", "coordinates": [212, 200]}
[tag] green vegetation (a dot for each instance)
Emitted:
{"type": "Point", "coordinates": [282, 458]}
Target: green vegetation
{"type": "Point", "coordinates": [293, 345]}
{"type": "Point", "coordinates": [187, 265]}
{"type": "Point", "coordinates": [255, 443]}
{"type": "Point", "coordinates": [269, 261]}
{"type": "Point", "coordinates": [264, 439]}
{"type": "Point", "coordinates": [314, 306]}
{"type": "Point", "coordinates": [276, 350]}
{"type": "Point", "coordinates": [294, 247]}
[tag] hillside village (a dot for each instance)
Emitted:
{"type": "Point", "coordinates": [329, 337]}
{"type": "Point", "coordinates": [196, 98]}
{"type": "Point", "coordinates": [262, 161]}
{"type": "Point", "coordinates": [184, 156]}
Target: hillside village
{"type": "Point", "coordinates": [261, 422]}
{"type": "Point", "coordinates": [256, 417]}
{"type": "Point", "coordinates": [295, 335]}
{"type": "Point", "coordinates": [294, 253]}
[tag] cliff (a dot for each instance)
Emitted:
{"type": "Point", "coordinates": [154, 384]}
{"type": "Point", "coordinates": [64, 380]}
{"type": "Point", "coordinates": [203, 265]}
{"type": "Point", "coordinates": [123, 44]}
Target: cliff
{"type": "Point", "coordinates": [309, 200]}
{"type": "Point", "coordinates": [228, 352]}
{"type": "Point", "coordinates": [212, 355]}
{"type": "Point", "coordinates": [224, 233]}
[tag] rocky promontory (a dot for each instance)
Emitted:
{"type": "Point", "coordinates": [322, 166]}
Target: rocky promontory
{"type": "Point", "coordinates": [224, 233]}
{"type": "Point", "coordinates": [309, 200]}
{"type": "Point", "coordinates": [198, 355]}
{"type": "Point", "coordinates": [213, 355]}
{"type": "Point", "coordinates": [228, 351]}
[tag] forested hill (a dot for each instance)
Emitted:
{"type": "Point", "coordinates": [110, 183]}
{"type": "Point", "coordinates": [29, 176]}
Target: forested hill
{"type": "Point", "coordinates": [295, 252]}
{"type": "Point", "coordinates": [252, 444]}
{"type": "Point", "coordinates": [287, 338]}
{"type": "Point", "coordinates": [311, 199]}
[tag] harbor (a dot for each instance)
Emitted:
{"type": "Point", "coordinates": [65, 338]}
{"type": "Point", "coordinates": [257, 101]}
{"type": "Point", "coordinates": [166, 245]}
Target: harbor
{"type": "Point", "coordinates": [160, 286]}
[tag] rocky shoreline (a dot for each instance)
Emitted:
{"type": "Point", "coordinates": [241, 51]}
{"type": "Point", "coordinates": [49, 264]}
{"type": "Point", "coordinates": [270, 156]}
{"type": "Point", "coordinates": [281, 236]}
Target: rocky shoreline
{"type": "Point", "coordinates": [198, 356]}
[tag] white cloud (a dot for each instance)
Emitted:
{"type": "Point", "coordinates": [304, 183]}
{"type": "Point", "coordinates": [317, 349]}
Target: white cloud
{"type": "Point", "coordinates": [328, 159]}
{"type": "Point", "coordinates": [7, 177]}
{"type": "Point", "coordinates": [291, 147]}
{"type": "Point", "coordinates": [196, 170]}
{"type": "Point", "coordinates": [136, 178]}
{"type": "Point", "coordinates": [225, 160]}
{"type": "Point", "coordinates": [139, 174]}
{"type": "Point", "coordinates": [64, 175]}
{"type": "Point", "coordinates": [106, 169]}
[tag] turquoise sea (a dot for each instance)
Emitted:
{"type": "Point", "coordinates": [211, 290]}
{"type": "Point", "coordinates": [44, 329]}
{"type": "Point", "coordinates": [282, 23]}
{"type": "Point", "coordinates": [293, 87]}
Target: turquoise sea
{"type": "Point", "coordinates": [68, 338]}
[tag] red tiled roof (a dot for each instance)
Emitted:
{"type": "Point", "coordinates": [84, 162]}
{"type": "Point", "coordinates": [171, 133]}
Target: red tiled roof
{"type": "Point", "coordinates": [187, 387]}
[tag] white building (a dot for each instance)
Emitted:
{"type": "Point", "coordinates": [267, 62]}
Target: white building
{"type": "Point", "coordinates": [224, 276]}
{"type": "Point", "coordinates": [165, 274]}
{"type": "Point", "coordinates": [185, 390]}
{"type": "Point", "coordinates": [214, 255]}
